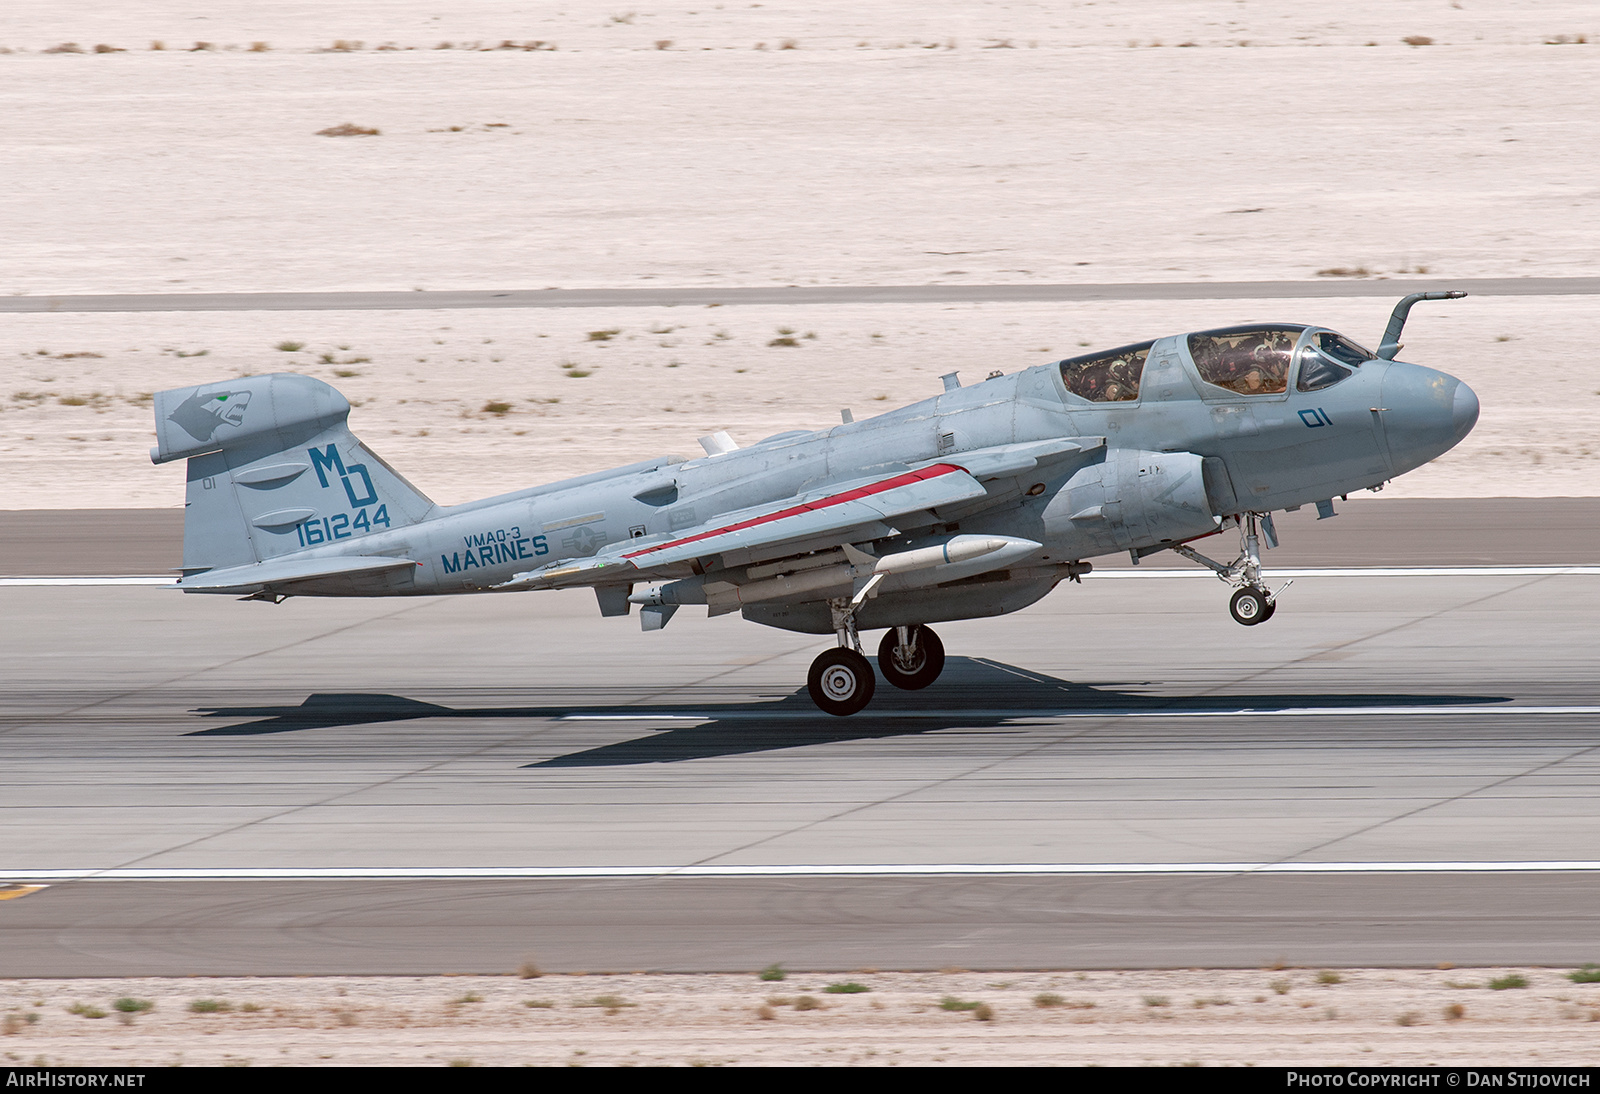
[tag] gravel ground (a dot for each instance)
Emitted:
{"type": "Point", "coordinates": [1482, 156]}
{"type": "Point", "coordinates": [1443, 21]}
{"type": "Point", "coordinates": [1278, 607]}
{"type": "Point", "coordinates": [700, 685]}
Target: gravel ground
{"type": "Point", "coordinates": [473, 403]}
{"type": "Point", "coordinates": [838, 143]}
{"type": "Point", "coordinates": [1302, 1017]}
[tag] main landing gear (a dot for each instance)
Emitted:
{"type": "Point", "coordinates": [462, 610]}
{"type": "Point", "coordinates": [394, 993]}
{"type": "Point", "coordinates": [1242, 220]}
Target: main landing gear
{"type": "Point", "coordinates": [1252, 603]}
{"type": "Point", "coordinates": [910, 658]}
{"type": "Point", "coordinates": [841, 681]}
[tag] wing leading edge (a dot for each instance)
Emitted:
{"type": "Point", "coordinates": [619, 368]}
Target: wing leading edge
{"type": "Point", "coordinates": [834, 511]}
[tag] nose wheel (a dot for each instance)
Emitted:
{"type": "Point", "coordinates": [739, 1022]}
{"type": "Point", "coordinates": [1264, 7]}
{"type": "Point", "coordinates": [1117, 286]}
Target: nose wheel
{"type": "Point", "coordinates": [1251, 605]}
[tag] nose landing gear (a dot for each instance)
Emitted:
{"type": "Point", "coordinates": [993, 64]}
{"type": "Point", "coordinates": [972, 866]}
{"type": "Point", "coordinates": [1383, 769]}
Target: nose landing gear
{"type": "Point", "coordinates": [1251, 606]}
{"type": "Point", "coordinates": [1252, 603]}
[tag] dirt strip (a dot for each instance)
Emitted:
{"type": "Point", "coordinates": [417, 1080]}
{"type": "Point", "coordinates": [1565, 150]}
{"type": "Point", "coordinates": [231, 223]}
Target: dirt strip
{"type": "Point", "coordinates": [1303, 1017]}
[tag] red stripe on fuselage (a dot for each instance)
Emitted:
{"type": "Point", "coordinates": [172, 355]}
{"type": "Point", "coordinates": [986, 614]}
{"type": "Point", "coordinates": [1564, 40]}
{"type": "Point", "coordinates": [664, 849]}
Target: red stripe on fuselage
{"type": "Point", "coordinates": [837, 499]}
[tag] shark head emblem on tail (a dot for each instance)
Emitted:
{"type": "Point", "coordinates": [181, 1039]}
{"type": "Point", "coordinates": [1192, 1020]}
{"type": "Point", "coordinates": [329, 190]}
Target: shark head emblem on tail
{"type": "Point", "coordinates": [200, 414]}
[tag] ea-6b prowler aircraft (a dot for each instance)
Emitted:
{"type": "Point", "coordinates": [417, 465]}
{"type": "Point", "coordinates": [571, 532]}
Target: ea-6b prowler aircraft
{"type": "Point", "coordinates": [974, 503]}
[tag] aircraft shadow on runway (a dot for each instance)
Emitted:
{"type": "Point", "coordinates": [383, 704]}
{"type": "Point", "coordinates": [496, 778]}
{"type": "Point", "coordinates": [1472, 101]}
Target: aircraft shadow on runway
{"type": "Point", "coordinates": [973, 693]}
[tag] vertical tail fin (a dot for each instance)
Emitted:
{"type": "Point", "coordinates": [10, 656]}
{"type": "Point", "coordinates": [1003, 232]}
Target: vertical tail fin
{"type": "Point", "coordinates": [273, 469]}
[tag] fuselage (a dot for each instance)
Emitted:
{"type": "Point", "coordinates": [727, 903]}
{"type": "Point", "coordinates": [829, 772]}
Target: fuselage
{"type": "Point", "coordinates": [1179, 454]}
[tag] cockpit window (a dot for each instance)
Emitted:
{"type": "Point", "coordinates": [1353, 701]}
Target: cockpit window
{"type": "Point", "coordinates": [1246, 360]}
{"type": "Point", "coordinates": [1107, 377]}
{"type": "Point", "coordinates": [1317, 372]}
{"type": "Point", "coordinates": [1340, 348]}
{"type": "Point", "coordinates": [1324, 360]}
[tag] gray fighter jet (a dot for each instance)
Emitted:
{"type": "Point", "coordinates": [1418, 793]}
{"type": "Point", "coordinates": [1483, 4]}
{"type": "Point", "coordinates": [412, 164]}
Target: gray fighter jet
{"type": "Point", "coordinates": [974, 503]}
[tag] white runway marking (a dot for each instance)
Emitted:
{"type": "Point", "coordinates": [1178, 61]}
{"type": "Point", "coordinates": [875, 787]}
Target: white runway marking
{"type": "Point", "coordinates": [1106, 712]}
{"type": "Point", "coordinates": [42, 582]}
{"type": "Point", "coordinates": [1370, 571]}
{"type": "Point", "coordinates": [1114, 575]}
{"type": "Point", "coordinates": [877, 870]}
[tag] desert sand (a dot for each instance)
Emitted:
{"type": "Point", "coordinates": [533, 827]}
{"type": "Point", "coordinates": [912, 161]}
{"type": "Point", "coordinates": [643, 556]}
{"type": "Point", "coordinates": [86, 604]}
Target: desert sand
{"type": "Point", "coordinates": [1288, 1017]}
{"type": "Point", "coordinates": [892, 144]}
{"type": "Point", "coordinates": [74, 429]}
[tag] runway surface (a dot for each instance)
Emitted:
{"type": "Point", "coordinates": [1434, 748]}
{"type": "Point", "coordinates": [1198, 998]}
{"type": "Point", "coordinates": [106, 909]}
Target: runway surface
{"type": "Point", "coordinates": [1367, 532]}
{"type": "Point", "coordinates": [1424, 752]}
{"type": "Point", "coordinates": [792, 294]}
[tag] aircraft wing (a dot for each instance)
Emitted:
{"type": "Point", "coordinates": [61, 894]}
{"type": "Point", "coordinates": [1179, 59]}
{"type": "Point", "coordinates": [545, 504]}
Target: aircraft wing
{"type": "Point", "coordinates": [1013, 459]}
{"type": "Point", "coordinates": [833, 511]}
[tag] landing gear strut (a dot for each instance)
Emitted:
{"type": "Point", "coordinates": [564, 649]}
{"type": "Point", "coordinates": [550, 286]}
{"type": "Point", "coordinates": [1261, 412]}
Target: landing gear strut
{"type": "Point", "coordinates": [841, 680]}
{"type": "Point", "coordinates": [911, 658]}
{"type": "Point", "coordinates": [1253, 603]}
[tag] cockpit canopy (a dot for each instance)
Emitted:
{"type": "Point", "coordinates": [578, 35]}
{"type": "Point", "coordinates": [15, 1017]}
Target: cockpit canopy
{"type": "Point", "coordinates": [1111, 377]}
{"type": "Point", "coordinates": [1255, 359]}
{"type": "Point", "coordinates": [1251, 360]}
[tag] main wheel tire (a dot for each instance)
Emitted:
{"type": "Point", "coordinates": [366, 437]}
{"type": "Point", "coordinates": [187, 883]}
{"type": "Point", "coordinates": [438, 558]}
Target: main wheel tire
{"type": "Point", "coordinates": [841, 682]}
{"type": "Point", "coordinates": [925, 665]}
{"type": "Point", "coordinates": [1250, 606]}
{"type": "Point", "coordinates": [1272, 606]}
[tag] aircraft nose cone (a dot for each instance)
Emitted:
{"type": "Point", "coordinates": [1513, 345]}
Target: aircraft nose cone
{"type": "Point", "coordinates": [1426, 413]}
{"type": "Point", "coordinates": [1464, 412]}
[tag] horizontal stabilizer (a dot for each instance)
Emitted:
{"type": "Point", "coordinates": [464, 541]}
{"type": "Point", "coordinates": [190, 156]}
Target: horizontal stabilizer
{"type": "Point", "coordinates": [278, 410]}
{"type": "Point", "coordinates": [262, 575]}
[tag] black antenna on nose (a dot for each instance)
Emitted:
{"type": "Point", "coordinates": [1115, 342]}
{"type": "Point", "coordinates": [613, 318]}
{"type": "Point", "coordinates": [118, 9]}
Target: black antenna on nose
{"type": "Point", "coordinates": [1397, 320]}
